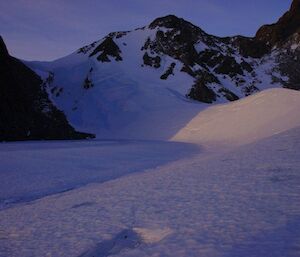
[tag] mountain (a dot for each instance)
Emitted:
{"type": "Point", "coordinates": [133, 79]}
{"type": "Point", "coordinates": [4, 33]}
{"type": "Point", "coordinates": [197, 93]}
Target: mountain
{"type": "Point", "coordinates": [283, 38]}
{"type": "Point", "coordinates": [123, 84]}
{"type": "Point", "coordinates": [283, 29]}
{"type": "Point", "coordinates": [26, 113]}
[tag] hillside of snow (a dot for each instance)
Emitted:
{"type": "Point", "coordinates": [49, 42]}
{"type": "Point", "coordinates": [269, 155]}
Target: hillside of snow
{"type": "Point", "coordinates": [197, 150]}
{"type": "Point", "coordinates": [162, 74]}
{"type": "Point", "coordinates": [122, 94]}
{"type": "Point", "coordinates": [240, 203]}
{"type": "Point", "coordinates": [247, 120]}
{"type": "Point", "coordinates": [150, 198]}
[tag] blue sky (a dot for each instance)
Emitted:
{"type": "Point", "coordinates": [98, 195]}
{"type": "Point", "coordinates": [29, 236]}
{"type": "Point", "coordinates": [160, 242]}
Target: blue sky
{"type": "Point", "coordinates": [49, 29]}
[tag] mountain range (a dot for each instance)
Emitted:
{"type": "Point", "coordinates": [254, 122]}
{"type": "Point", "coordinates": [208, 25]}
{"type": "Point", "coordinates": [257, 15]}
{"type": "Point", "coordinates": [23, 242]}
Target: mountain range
{"type": "Point", "coordinates": [149, 82]}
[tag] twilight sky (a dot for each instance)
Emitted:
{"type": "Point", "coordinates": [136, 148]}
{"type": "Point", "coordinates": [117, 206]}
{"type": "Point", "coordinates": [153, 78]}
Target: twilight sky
{"type": "Point", "coordinates": [49, 29]}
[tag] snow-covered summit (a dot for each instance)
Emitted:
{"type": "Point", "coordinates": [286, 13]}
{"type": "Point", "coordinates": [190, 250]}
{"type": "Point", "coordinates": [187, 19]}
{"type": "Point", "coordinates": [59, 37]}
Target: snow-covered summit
{"type": "Point", "coordinates": [158, 74]}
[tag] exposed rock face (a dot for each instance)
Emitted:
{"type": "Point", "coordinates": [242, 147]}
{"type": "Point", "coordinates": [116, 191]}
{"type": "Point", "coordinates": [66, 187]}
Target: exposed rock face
{"type": "Point", "coordinates": [173, 22]}
{"type": "Point", "coordinates": [284, 36]}
{"type": "Point", "coordinates": [251, 47]}
{"type": "Point", "coordinates": [169, 71]}
{"type": "Point", "coordinates": [288, 59]}
{"type": "Point", "coordinates": [202, 93]}
{"type": "Point", "coordinates": [107, 48]}
{"type": "Point", "coordinates": [271, 35]}
{"type": "Point", "coordinates": [287, 25]}
{"type": "Point", "coordinates": [179, 40]}
{"type": "Point", "coordinates": [151, 61]}
{"type": "Point", "coordinates": [204, 57]}
{"type": "Point", "coordinates": [229, 66]}
{"type": "Point", "coordinates": [228, 94]}
{"type": "Point", "coordinates": [25, 110]}
{"type": "Point", "coordinates": [220, 54]}
{"type": "Point", "coordinates": [216, 69]}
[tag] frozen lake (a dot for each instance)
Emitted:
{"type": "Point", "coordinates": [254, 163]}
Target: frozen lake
{"type": "Point", "coordinates": [30, 170]}
{"type": "Point", "coordinates": [242, 203]}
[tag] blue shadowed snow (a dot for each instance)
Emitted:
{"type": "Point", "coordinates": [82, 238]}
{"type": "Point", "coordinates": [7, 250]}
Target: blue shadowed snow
{"type": "Point", "coordinates": [44, 168]}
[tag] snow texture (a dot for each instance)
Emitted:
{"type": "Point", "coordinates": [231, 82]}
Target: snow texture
{"type": "Point", "coordinates": [230, 200]}
{"type": "Point", "coordinates": [239, 203]}
{"type": "Point", "coordinates": [32, 170]}
{"type": "Point", "coordinates": [130, 95]}
{"type": "Point", "coordinates": [252, 118]}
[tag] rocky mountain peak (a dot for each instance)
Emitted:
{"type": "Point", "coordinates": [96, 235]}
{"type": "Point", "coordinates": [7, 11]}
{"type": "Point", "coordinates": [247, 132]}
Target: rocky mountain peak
{"type": "Point", "coordinates": [169, 21]}
{"type": "Point", "coordinates": [295, 7]}
{"type": "Point", "coordinates": [107, 48]}
{"type": "Point", "coordinates": [285, 27]}
{"type": "Point", "coordinates": [173, 22]}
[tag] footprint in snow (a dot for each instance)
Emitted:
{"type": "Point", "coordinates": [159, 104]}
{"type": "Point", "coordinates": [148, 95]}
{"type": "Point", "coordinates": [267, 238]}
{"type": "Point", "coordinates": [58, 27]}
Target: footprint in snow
{"type": "Point", "coordinates": [127, 239]}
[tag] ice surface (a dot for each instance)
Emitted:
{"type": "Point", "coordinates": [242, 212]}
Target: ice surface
{"type": "Point", "coordinates": [239, 198]}
{"type": "Point", "coordinates": [240, 203]}
{"type": "Point", "coordinates": [34, 169]}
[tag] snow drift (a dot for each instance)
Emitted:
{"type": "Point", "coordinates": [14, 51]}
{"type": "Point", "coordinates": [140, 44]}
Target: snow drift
{"type": "Point", "coordinates": [255, 117]}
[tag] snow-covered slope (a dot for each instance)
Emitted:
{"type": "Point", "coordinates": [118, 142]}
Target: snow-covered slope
{"type": "Point", "coordinates": [182, 200]}
{"type": "Point", "coordinates": [120, 93]}
{"type": "Point", "coordinates": [250, 119]}
{"type": "Point", "coordinates": [153, 75]}
{"type": "Point", "coordinates": [239, 204]}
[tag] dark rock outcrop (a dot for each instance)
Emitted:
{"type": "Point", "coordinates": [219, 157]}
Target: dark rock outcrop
{"type": "Point", "coordinates": [168, 72]}
{"type": "Point", "coordinates": [179, 41]}
{"type": "Point", "coordinates": [289, 66]}
{"type": "Point", "coordinates": [230, 96]}
{"type": "Point", "coordinates": [203, 56]}
{"type": "Point", "coordinates": [202, 93]}
{"type": "Point", "coordinates": [107, 48]}
{"type": "Point", "coordinates": [220, 65]}
{"type": "Point", "coordinates": [151, 61]}
{"type": "Point", "coordinates": [251, 47]}
{"type": "Point", "coordinates": [286, 26]}
{"type": "Point", "coordinates": [228, 65]}
{"type": "Point", "coordinates": [285, 35]}
{"type": "Point", "coordinates": [26, 112]}
{"type": "Point", "coordinates": [87, 84]}
{"type": "Point", "coordinates": [218, 57]}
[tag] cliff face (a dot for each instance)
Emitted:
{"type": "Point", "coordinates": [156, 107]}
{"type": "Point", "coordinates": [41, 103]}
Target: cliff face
{"type": "Point", "coordinates": [26, 113]}
{"type": "Point", "coordinates": [280, 31]}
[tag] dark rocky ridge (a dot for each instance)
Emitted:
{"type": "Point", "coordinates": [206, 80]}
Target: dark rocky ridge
{"type": "Point", "coordinates": [251, 47]}
{"type": "Point", "coordinates": [285, 27]}
{"type": "Point", "coordinates": [201, 92]}
{"type": "Point", "coordinates": [26, 112]}
{"type": "Point", "coordinates": [177, 38]}
{"type": "Point", "coordinates": [285, 36]}
{"type": "Point", "coordinates": [230, 67]}
{"type": "Point", "coordinates": [289, 64]}
{"type": "Point", "coordinates": [225, 68]}
{"type": "Point", "coordinates": [180, 40]}
{"type": "Point", "coordinates": [107, 48]}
